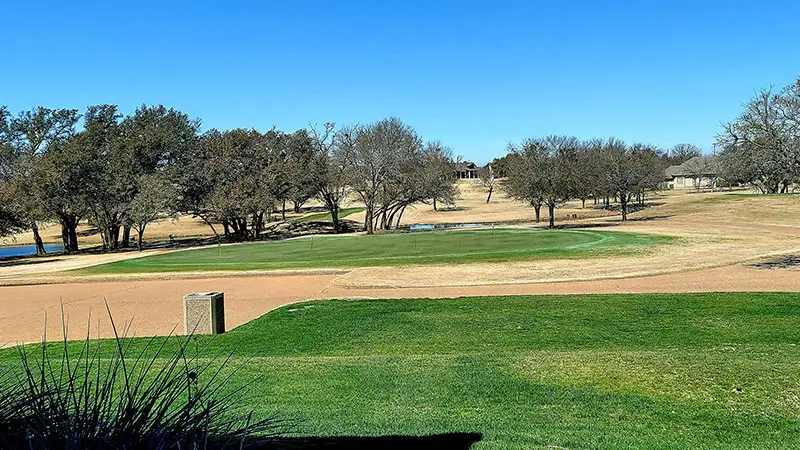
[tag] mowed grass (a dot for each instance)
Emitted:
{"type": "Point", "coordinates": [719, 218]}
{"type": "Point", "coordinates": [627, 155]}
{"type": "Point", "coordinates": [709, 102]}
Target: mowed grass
{"type": "Point", "coordinates": [441, 247]}
{"type": "Point", "coordinates": [613, 371]}
{"type": "Point", "coordinates": [326, 216]}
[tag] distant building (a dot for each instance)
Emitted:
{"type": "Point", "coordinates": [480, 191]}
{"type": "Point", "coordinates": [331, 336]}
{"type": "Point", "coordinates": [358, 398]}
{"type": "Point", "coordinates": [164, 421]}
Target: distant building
{"type": "Point", "coordinates": [696, 173]}
{"type": "Point", "coordinates": [467, 169]}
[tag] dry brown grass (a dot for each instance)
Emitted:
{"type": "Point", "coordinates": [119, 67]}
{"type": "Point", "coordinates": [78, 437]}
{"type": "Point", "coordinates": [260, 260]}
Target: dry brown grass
{"type": "Point", "coordinates": [472, 208]}
{"type": "Point", "coordinates": [715, 229]}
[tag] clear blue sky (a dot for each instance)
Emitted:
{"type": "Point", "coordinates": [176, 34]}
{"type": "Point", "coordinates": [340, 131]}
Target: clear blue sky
{"type": "Point", "coordinates": [475, 75]}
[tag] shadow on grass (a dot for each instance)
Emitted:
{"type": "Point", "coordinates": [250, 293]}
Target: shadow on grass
{"type": "Point", "coordinates": [21, 261]}
{"type": "Point", "coordinates": [648, 219]}
{"type": "Point", "coordinates": [447, 441]}
{"type": "Point", "coordinates": [782, 262]}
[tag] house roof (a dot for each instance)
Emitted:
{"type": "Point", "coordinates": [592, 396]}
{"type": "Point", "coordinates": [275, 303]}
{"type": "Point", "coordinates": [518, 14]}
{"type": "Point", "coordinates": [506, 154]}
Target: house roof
{"type": "Point", "coordinates": [465, 166]}
{"type": "Point", "coordinates": [698, 165]}
{"type": "Point", "coordinates": [671, 171]}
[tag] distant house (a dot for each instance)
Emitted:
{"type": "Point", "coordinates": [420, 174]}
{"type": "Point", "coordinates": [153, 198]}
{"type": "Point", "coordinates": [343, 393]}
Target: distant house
{"type": "Point", "coordinates": [696, 173]}
{"type": "Point", "coordinates": [467, 169]}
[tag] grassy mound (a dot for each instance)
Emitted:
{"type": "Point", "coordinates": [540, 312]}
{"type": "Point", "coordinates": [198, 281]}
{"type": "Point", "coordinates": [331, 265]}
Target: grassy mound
{"type": "Point", "coordinates": [625, 371]}
{"type": "Point", "coordinates": [441, 247]}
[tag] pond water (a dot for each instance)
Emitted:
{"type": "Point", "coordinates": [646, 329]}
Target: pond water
{"type": "Point", "coordinates": [443, 226]}
{"type": "Point", "coordinates": [24, 250]}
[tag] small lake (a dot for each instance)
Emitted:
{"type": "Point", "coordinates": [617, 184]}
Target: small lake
{"type": "Point", "coordinates": [25, 250]}
{"type": "Point", "coordinates": [444, 226]}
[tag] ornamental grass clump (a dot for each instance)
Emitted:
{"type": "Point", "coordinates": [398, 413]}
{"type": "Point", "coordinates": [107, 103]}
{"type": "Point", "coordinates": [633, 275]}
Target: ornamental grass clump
{"type": "Point", "coordinates": [104, 395]}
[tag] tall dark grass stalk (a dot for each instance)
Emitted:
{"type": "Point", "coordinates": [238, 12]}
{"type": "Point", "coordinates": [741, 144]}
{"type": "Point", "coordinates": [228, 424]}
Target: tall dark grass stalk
{"type": "Point", "coordinates": [72, 396]}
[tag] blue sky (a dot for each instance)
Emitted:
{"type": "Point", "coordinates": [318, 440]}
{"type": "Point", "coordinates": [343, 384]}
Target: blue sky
{"type": "Point", "coordinates": [475, 75]}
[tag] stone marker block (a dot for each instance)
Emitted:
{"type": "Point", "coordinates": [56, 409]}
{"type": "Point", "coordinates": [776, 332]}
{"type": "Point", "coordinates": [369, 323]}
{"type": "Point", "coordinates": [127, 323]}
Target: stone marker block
{"type": "Point", "coordinates": [204, 313]}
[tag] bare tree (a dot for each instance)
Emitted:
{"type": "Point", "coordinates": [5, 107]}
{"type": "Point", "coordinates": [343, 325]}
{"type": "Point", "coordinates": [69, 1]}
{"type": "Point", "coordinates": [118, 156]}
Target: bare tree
{"type": "Point", "coordinates": [438, 177]}
{"type": "Point", "coordinates": [681, 153]}
{"type": "Point", "coordinates": [542, 172]}
{"type": "Point", "coordinates": [761, 146]}
{"type": "Point", "coordinates": [378, 157]}
{"type": "Point", "coordinates": [329, 181]}
{"type": "Point", "coordinates": [488, 180]}
{"type": "Point", "coordinates": [630, 171]}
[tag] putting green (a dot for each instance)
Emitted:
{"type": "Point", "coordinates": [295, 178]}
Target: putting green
{"type": "Point", "coordinates": [441, 247]}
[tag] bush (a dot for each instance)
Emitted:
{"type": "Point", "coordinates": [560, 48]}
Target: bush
{"type": "Point", "coordinates": [102, 398]}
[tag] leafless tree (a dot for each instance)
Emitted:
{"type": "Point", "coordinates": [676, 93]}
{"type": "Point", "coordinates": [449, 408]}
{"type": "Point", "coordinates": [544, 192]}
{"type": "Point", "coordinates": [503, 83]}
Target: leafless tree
{"type": "Point", "coordinates": [681, 153]}
{"type": "Point", "coordinates": [488, 180]}
{"type": "Point", "coordinates": [377, 162]}
{"type": "Point", "coordinates": [629, 171]}
{"type": "Point", "coordinates": [542, 172]}
{"type": "Point", "coordinates": [762, 146]}
{"type": "Point", "coordinates": [329, 180]}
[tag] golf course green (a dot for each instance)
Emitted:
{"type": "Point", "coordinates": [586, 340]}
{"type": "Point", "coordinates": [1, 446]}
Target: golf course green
{"type": "Point", "coordinates": [611, 371]}
{"type": "Point", "coordinates": [440, 247]}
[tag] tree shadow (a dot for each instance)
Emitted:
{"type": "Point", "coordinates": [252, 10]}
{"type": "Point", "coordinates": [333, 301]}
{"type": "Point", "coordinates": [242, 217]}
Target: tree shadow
{"type": "Point", "coordinates": [21, 261]}
{"type": "Point", "coordinates": [453, 208]}
{"type": "Point", "coordinates": [648, 218]}
{"type": "Point", "coordinates": [782, 262]}
{"type": "Point", "coordinates": [446, 441]}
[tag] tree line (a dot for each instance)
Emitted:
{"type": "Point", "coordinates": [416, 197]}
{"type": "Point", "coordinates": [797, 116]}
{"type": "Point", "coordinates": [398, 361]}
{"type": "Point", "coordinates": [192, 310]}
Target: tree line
{"type": "Point", "coordinates": [551, 170]}
{"type": "Point", "coordinates": [122, 173]}
{"type": "Point", "coordinates": [762, 146]}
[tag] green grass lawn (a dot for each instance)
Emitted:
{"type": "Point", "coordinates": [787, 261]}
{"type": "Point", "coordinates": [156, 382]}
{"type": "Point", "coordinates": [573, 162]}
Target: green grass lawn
{"type": "Point", "coordinates": [614, 371]}
{"type": "Point", "coordinates": [326, 216]}
{"type": "Point", "coordinates": [441, 247]}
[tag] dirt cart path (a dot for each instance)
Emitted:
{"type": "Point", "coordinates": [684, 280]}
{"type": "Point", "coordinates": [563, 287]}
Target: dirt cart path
{"type": "Point", "coordinates": [155, 306]}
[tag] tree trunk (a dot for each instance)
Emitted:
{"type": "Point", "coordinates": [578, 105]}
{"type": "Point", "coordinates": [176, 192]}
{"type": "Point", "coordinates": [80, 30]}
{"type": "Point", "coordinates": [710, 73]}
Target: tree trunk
{"type": "Point", "coordinates": [226, 227]}
{"type": "Point", "coordinates": [296, 206]}
{"type": "Point", "coordinates": [551, 208]}
{"type": "Point", "coordinates": [141, 234]}
{"type": "Point", "coordinates": [115, 236]}
{"type": "Point", "coordinates": [37, 239]}
{"type": "Point", "coordinates": [259, 225]}
{"type": "Point", "coordinates": [73, 237]}
{"type": "Point", "coordinates": [491, 188]}
{"type": "Point", "coordinates": [384, 216]}
{"type": "Point", "coordinates": [369, 220]}
{"type": "Point", "coordinates": [400, 216]}
{"type": "Point", "coordinates": [283, 210]}
{"type": "Point", "coordinates": [69, 232]}
{"type": "Point", "coordinates": [235, 226]}
{"type": "Point", "coordinates": [434, 204]}
{"type": "Point", "coordinates": [210, 225]}
{"type": "Point", "coordinates": [242, 228]}
{"type": "Point", "coordinates": [583, 203]}
{"type": "Point", "coordinates": [126, 236]}
{"type": "Point", "coordinates": [623, 206]}
{"type": "Point", "coordinates": [390, 219]}
{"type": "Point", "coordinates": [538, 208]}
{"type": "Point", "coordinates": [65, 237]}
{"type": "Point", "coordinates": [334, 209]}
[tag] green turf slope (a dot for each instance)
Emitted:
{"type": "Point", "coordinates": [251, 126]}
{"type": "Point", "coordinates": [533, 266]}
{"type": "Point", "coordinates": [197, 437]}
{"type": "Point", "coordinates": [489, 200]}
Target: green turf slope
{"type": "Point", "coordinates": [441, 247]}
{"type": "Point", "coordinates": [614, 371]}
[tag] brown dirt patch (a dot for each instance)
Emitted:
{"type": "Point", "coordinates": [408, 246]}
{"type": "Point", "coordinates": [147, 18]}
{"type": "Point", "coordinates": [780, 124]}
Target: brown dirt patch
{"type": "Point", "coordinates": [155, 307]}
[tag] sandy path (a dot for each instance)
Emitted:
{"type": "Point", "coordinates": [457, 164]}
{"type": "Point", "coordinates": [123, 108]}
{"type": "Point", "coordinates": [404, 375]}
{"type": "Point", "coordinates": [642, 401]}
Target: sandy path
{"type": "Point", "coordinates": [155, 305]}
